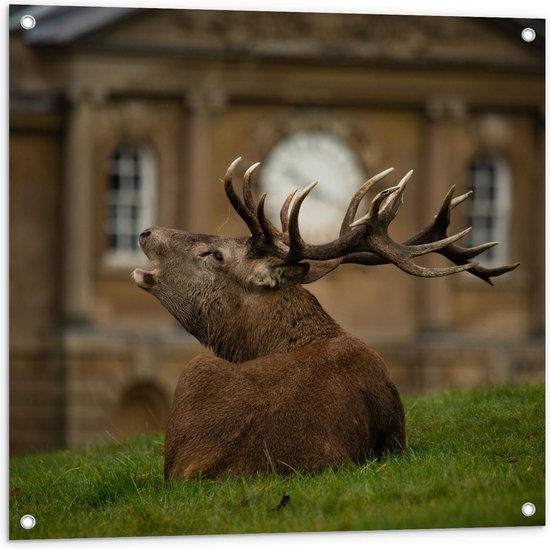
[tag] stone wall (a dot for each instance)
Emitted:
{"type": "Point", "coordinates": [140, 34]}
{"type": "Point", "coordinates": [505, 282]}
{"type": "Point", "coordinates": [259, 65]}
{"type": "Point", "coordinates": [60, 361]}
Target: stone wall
{"type": "Point", "coordinates": [102, 367]}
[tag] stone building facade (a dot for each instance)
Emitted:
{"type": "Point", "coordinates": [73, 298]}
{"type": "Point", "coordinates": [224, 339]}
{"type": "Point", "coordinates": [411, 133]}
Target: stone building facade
{"type": "Point", "coordinates": [103, 100]}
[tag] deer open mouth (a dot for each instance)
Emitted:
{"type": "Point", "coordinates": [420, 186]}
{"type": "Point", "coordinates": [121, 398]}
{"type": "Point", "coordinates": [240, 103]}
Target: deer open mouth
{"type": "Point", "coordinates": [145, 279]}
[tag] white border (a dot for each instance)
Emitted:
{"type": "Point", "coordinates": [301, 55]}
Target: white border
{"type": "Point", "coordinates": [490, 8]}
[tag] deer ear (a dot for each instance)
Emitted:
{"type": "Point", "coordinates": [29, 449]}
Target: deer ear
{"type": "Point", "coordinates": [279, 275]}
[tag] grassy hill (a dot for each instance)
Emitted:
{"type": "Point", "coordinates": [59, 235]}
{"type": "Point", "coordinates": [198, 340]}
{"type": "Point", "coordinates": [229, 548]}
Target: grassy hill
{"type": "Point", "coordinates": [474, 458]}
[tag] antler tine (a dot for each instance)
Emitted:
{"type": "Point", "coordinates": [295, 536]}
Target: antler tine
{"type": "Point", "coordinates": [372, 215]}
{"type": "Point", "coordinates": [443, 217]}
{"type": "Point", "coordinates": [468, 253]}
{"type": "Point", "coordinates": [228, 185]}
{"type": "Point", "coordinates": [284, 211]}
{"type": "Point", "coordinates": [246, 215]}
{"type": "Point", "coordinates": [247, 188]}
{"type": "Point", "coordinates": [456, 201]}
{"type": "Point", "coordinates": [485, 273]}
{"type": "Point", "coordinates": [357, 197]}
{"type": "Point", "coordinates": [268, 229]}
{"type": "Point", "coordinates": [276, 239]}
{"type": "Point", "coordinates": [385, 204]}
{"type": "Point", "coordinates": [404, 263]}
{"type": "Point", "coordinates": [394, 201]}
{"type": "Point", "coordinates": [296, 243]}
{"type": "Point", "coordinates": [423, 249]}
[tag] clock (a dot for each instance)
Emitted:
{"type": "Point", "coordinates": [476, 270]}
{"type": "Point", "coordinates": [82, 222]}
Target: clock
{"type": "Point", "coordinates": [301, 158]}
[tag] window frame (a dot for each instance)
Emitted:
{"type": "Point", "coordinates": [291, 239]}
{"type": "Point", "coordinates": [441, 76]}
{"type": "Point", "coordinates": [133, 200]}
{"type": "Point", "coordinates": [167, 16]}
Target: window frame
{"type": "Point", "coordinates": [144, 198]}
{"type": "Point", "coordinates": [490, 201]}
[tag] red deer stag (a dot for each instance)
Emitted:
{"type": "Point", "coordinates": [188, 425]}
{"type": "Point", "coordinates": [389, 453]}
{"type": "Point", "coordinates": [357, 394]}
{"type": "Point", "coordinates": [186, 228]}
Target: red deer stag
{"type": "Point", "coordinates": [289, 389]}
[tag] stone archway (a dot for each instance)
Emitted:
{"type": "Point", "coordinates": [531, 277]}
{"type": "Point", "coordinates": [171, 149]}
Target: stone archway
{"type": "Point", "coordinates": [140, 409]}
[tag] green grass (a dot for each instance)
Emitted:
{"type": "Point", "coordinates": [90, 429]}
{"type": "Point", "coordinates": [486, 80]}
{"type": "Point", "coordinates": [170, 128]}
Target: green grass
{"type": "Point", "coordinates": [474, 458]}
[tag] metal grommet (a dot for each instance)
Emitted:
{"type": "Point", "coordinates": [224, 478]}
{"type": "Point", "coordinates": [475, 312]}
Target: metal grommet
{"type": "Point", "coordinates": [528, 34]}
{"type": "Point", "coordinates": [27, 22]}
{"type": "Point", "coordinates": [27, 522]}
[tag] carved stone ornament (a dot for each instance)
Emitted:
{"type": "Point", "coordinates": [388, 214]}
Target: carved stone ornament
{"type": "Point", "coordinates": [346, 37]}
{"type": "Point", "coordinates": [289, 121]}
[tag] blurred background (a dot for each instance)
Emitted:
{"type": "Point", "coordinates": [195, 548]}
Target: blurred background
{"type": "Point", "coordinates": [123, 118]}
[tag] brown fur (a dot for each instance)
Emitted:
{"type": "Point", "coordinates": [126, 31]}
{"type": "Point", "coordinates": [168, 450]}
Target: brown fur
{"type": "Point", "coordinates": [289, 389]}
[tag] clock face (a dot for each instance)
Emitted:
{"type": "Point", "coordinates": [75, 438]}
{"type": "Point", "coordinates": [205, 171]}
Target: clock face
{"type": "Point", "coordinates": [302, 158]}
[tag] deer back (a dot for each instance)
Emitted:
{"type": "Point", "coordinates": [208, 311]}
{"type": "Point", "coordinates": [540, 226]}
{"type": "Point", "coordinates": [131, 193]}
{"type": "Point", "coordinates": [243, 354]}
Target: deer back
{"type": "Point", "coordinates": [329, 403]}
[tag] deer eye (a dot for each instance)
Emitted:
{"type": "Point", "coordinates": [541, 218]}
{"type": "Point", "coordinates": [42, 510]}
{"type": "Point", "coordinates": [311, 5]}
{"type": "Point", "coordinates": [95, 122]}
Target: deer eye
{"type": "Point", "coordinates": [215, 254]}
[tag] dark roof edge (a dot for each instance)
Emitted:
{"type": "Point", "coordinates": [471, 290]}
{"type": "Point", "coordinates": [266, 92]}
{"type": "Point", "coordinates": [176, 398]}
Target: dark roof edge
{"type": "Point", "coordinates": [62, 25]}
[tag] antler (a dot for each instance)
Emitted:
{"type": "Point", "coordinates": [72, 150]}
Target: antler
{"type": "Point", "coordinates": [365, 241]}
{"type": "Point", "coordinates": [437, 232]}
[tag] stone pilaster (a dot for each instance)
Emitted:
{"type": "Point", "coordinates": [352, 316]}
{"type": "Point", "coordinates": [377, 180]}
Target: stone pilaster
{"type": "Point", "coordinates": [203, 106]}
{"type": "Point", "coordinates": [79, 199]}
{"type": "Point", "coordinates": [442, 117]}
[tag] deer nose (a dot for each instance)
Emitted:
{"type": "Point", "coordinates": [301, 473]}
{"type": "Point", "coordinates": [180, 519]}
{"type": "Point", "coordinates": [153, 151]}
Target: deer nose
{"type": "Point", "coordinates": [143, 236]}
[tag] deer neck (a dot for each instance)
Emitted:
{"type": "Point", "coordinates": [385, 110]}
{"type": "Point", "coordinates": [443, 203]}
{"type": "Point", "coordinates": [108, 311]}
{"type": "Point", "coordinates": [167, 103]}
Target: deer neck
{"type": "Point", "coordinates": [270, 322]}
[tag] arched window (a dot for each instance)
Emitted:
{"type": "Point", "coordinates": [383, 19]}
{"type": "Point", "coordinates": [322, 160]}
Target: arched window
{"type": "Point", "coordinates": [490, 179]}
{"type": "Point", "coordinates": [130, 200]}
